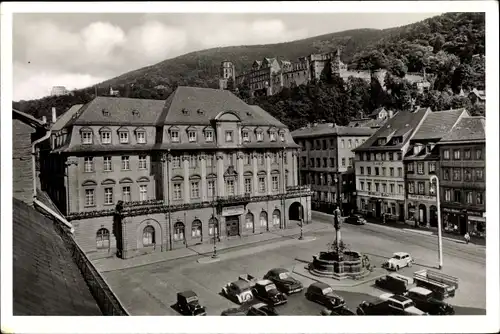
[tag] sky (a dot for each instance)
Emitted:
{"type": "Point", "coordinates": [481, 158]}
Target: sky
{"type": "Point", "coordinates": [78, 50]}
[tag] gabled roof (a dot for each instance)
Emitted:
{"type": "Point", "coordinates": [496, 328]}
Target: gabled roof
{"type": "Point", "coordinates": [468, 129]}
{"type": "Point", "coordinates": [119, 111]}
{"type": "Point", "coordinates": [479, 93]}
{"type": "Point", "coordinates": [403, 123]}
{"type": "Point", "coordinates": [212, 102]}
{"type": "Point", "coordinates": [27, 119]}
{"type": "Point", "coordinates": [331, 129]}
{"type": "Point", "coordinates": [63, 119]}
{"type": "Point", "coordinates": [377, 111]}
{"type": "Point", "coordinates": [437, 124]}
{"type": "Point", "coordinates": [46, 280]}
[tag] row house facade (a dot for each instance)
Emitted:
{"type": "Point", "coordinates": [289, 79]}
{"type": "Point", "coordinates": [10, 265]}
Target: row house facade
{"type": "Point", "coordinates": [422, 162]}
{"type": "Point", "coordinates": [462, 177]}
{"type": "Point", "coordinates": [137, 176]}
{"type": "Point", "coordinates": [326, 163]}
{"type": "Point", "coordinates": [379, 169]}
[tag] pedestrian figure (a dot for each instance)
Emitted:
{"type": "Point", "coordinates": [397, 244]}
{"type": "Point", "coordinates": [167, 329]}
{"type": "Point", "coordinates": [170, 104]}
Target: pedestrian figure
{"type": "Point", "coordinates": [467, 238]}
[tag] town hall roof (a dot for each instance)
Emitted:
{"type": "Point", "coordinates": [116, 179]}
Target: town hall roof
{"type": "Point", "coordinates": [325, 129]}
{"type": "Point", "coordinates": [437, 124]}
{"type": "Point", "coordinates": [468, 129]}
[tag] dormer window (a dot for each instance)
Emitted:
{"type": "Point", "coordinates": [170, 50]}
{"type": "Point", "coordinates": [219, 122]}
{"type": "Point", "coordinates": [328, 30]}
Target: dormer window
{"type": "Point", "coordinates": [272, 136]}
{"type": "Point", "coordinates": [229, 136]}
{"type": "Point", "coordinates": [141, 137]}
{"type": "Point", "coordinates": [174, 136]}
{"type": "Point", "coordinates": [200, 112]}
{"type": "Point", "coordinates": [246, 136]}
{"type": "Point", "coordinates": [185, 111]}
{"type": "Point", "coordinates": [381, 141]}
{"type": "Point", "coordinates": [260, 136]}
{"type": "Point", "coordinates": [105, 112]}
{"type": "Point", "coordinates": [105, 137]}
{"type": "Point", "coordinates": [192, 136]}
{"type": "Point", "coordinates": [282, 136]}
{"type": "Point", "coordinates": [209, 136]}
{"type": "Point", "coordinates": [123, 137]}
{"type": "Point", "coordinates": [86, 137]}
{"type": "Point", "coordinates": [135, 112]}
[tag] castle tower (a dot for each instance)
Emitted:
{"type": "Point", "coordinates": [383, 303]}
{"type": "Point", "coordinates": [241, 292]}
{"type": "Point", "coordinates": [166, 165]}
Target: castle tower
{"type": "Point", "coordinates": [227, 71]}
{"type": "Point", "coordinates": [335, 61]}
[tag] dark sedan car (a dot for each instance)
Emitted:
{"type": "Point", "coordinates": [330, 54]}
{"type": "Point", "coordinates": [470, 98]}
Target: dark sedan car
{"type": "Point", "coordinates": [425, 301]}
{"type": "Point", "coordinates": [266, 291]}
{"type": "Point", "coordinates": [343, 310]}
{"type": "Point", "coordinates": [355, 219]}
{"type": "Point", "coordinates": [188, 304]}
{"type": "Point", "coordinates": [284, 281]}
{"type": "Point", "coordinates": [394, 283]}
{"type": "Point", "coordinates": [261, 309]}
{"type": "Point", "coordinates": [323, 293]}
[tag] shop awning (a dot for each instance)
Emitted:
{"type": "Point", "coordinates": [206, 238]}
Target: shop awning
{"type": "Point", "coordinates": [478, 219]}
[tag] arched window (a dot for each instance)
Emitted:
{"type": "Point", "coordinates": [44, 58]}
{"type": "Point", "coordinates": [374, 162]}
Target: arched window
{"type": "Point", "coordinates": [148, 236]}
{"type": "Point", "coordinates": [276, 217]}
{"type": "Point", "coordinates": [196, 229]}
{"type": "Point", "coordinates": [249, 221]}
{"type": "Point", "coordinates": [263, 219]}
{"type": "Point", "coordinates": [178, 231]}
{"type": "Point", "coordinates": [213, 226]}
{"type": "Point", "coordinates": [102, 238]}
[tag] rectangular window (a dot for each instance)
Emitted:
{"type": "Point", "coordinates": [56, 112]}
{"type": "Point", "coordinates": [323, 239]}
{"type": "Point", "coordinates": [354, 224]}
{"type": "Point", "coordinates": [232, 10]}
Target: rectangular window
{"type": "Point", "coordinates": [410, 167]}
{"type": "Point", "coordinates": [108, 196]}
{"type": "Point", "coordinates": [229, 136]}
{"type": "Point", "coordinates": [342, 143]}
{"type": "Point", "coordinates": [446, 154]}
{"type": "Point", "coordinates": [177, 191]}
{"type": "Point", "coordinates": [446, 173]}
{"type": "Point", "coordinates": [384, 187]}
{"type": "Point", "coordinates": [383, 171]}
{"type": "Point", "coordinates": [262, 184]}
{"type": "Point", "coordinates": [468, 197]}
{"type": "Point", "coordinates": [230, 187]}
{"type": "Point", "coordinates": [193, 161]}
{"type": "Point", "coordinates": [432, 167]}
{"type": "Point", "coordinates": [479, 174]}
{"type": "Point", "coordinates": [392, 188]}
{"type": "Point", "coordinates": [272, 136]}
{"type": "Point", "coordinates": [311, 162]}
{"type": "Point", "coordinates": [142, 162]}
{"type": "Point", "coordinates": [420, 168]}
{"type": "Point", "coordinates": [88, 164]}
{"type": "Point", "coordinates": [350, 162]}
{"type": "Point", "coordinates": [391, 171]}
{"type": "Point", "coordinates": [400, 156]}
{"type": "Point", "coordinates": [248, 186]}
{"type": "Point", "coordinates": [174, 136]}
{"type": "Point", "coordinates": [349, 143]}
{"type": "Point", "coordinates": [211, 188]}
{"type": "Point", "coordinates": [456, 174]}
{"type": "Point", "coordinates": [479, 198]}
{"type": "Point", "coordinates": [361, 170]}
{"type": "Point", "coordinates": [377, 171]}
{"type": "Point", "coordinates": [143, 192]}
{"type": "Point", "coordinates": [325, 162]}
{"type": "Point", "coordinates": [376, 187]}
{"type": "Point", "coordinates": [479, 154]}
{"type": "Point", "coordinates": [107, 164]}
{"type": "Point", "coordinates": [246, 136]}
{"type": "Point", "coordinates": [467, 156]}
{"type": "Point", "coordinates": [467, 174]}
{"type": "Point", "coordinates": [282, 136]}
{"type": "Point", "coordinates": [248, 159]}
{"type": "Point", "coordinates": [369, 186]}
{"type": "Point", "coordinates": [400, 172]}
{"type": "Point", "coordinates": [457, 196]}
{"type": "Point", "coordinates": [141, 137]}
{"type": "Point", "coordinates": [125, 163]}
{"type": "Point", "coordinates": [343, 162]}
{"type": "Point", "coordinates": [447, 195]}
{"type": "Point", "coordinates": [260, 136]}
{"type": "Point", "coordinates": [369, 170]}
{"type": "Point", "coordinates": [362, 185]}
{"type": "Point", "coordinates": [192, 136]}
{"type": "Point", "coordinates": [86, 137]}
{"type": "Point", "coordinates": [89, 197]}
{"type": "Point", "coordinates": [176, 162]}
{"type": "Point", "coordinates": [261, 159]}
{"type": "Point", "coordinates": [209, 136]}
{"type": "Point", "coordinates": [195, 189]}
{"type": "Point", "coordinates": [421, 188]}
{"type": "Point", "coordinates": [126, 194]}
{"type": "Point", "coordinates": [275, 183]}
{"type": "Point", "coordinates": [456, 154]}
{"type": "Point", "coordinates": [106, 137]}
{"type": "Point", "coordinates": [391, 156]}
{"type": "Point", "coordinates": [400, 188]}
{"type": "Point", "coordinates": [285, 158]}
{"type": "Point", "coordinates": [275, 158]}
{"type": "Point", "coordinates": [411, 187]}
{"type": "Point", "coordinates": [123, 137]}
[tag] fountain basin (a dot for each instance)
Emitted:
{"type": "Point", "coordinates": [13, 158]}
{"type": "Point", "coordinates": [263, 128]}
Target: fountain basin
{"type": "Point", "coordinates": [348, 264]}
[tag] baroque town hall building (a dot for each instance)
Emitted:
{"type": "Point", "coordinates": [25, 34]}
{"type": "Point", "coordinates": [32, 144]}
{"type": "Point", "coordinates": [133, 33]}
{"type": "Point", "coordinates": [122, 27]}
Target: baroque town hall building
{"type": "Point", "coordinates": [136, 176]}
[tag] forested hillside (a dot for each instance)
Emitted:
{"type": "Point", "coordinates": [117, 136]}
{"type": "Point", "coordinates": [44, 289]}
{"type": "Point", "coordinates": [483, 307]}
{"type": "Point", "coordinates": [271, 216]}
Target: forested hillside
{"type": "Point", "coordinates": [449, 47]}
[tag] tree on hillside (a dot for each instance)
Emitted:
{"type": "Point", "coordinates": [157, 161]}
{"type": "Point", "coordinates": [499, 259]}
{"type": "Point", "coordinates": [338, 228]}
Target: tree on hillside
{"type": "Point", "coordinates": [327, 73]}
{"type": "Point", "coordinates": [398, 68]}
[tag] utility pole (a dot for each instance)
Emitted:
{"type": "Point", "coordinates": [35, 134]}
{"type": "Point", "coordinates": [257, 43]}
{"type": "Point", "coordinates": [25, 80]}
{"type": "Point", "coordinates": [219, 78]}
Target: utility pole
{"type": "Point", "coordinates": [440, 240]}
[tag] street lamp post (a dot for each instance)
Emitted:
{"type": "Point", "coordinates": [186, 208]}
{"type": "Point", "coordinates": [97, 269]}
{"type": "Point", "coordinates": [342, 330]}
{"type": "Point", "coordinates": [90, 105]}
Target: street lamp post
{"type": "Point", "coordinates": [301, 212]}
{"type": "Point", "coordinates": [215, 225]}
{"type": "Point", "coordinates": [440, 240]}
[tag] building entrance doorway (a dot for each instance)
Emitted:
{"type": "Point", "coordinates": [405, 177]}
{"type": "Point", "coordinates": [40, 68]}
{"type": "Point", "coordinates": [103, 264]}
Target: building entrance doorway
{"type": "Point", "coordinates": [462, 224]}
{"type": "Point", "coordinates": [233, 226]}
{"type": "Point", "coordinates": [377, 209]}
{"type": "Point", "coordinates": [401, 212]}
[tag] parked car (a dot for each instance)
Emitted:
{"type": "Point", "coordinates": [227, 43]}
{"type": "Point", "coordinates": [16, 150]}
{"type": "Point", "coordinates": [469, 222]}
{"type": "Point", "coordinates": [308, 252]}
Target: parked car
{"type": "Point", "coordinates": [261, 309]}
{"type": "Point", "coordinates": [394, 283]}
{"type": "Point", "coordinates": [424, 299]}
{"type": "Point", "coordinates": [236, 311]}
{"type": "Point", "coordinates": [355, 219]}
{"type": "Point", "coordinates": [238, 291]}
{"type": "Point", "coordinates": [399, 260]}
{"type": "Point", "coordinates": [188, 304]}
{"type": "Point", "coordinates": [401, 304]}
{"type": "Point", "coordinates": [248, 278]}
{"type": "Point", "coordinates": [267, 291]}
{"type": "Point", "coordinates": [323, 294]}
{"type": "Point", "coordinates": [343, 310]}
{"type": "Point", "coordinates": [284, 281]}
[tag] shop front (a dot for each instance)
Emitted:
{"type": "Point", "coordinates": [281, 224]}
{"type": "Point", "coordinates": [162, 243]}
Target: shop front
{"type": "Point", "coordinates": [232, 216]}
{"type": "Point", "coordinates": [476, 223]}
{"type": "Point", "coordinates": [454, 220]}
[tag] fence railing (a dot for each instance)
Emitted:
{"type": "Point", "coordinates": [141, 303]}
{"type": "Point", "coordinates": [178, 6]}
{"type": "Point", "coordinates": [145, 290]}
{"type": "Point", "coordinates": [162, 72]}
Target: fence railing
{"type": "Point", "coordinates": [105, 298]}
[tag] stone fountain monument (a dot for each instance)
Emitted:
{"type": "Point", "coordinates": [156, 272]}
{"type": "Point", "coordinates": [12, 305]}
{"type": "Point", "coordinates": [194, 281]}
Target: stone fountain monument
{"type": "Point", "coordinates": [338, 262]}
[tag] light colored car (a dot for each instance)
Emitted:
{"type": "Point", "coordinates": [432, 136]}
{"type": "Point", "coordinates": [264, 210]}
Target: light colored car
{"type": "Point", "coordinates": [239, 291]}
{"type": "Point", "coordinates": [399, 260]}
{"type": "Point", "coordinates": [401, 304]}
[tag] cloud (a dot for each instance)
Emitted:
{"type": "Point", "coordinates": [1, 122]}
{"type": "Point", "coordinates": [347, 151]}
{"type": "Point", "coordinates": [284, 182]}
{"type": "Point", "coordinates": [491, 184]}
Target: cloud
{"type": "Point", "coordinates": [101, 38]}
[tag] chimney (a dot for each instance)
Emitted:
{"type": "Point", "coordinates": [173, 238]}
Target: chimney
{"type": "Point", "coordinates": [54, 115]}
{"type": "Point", "coordinates": [44, 119]}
